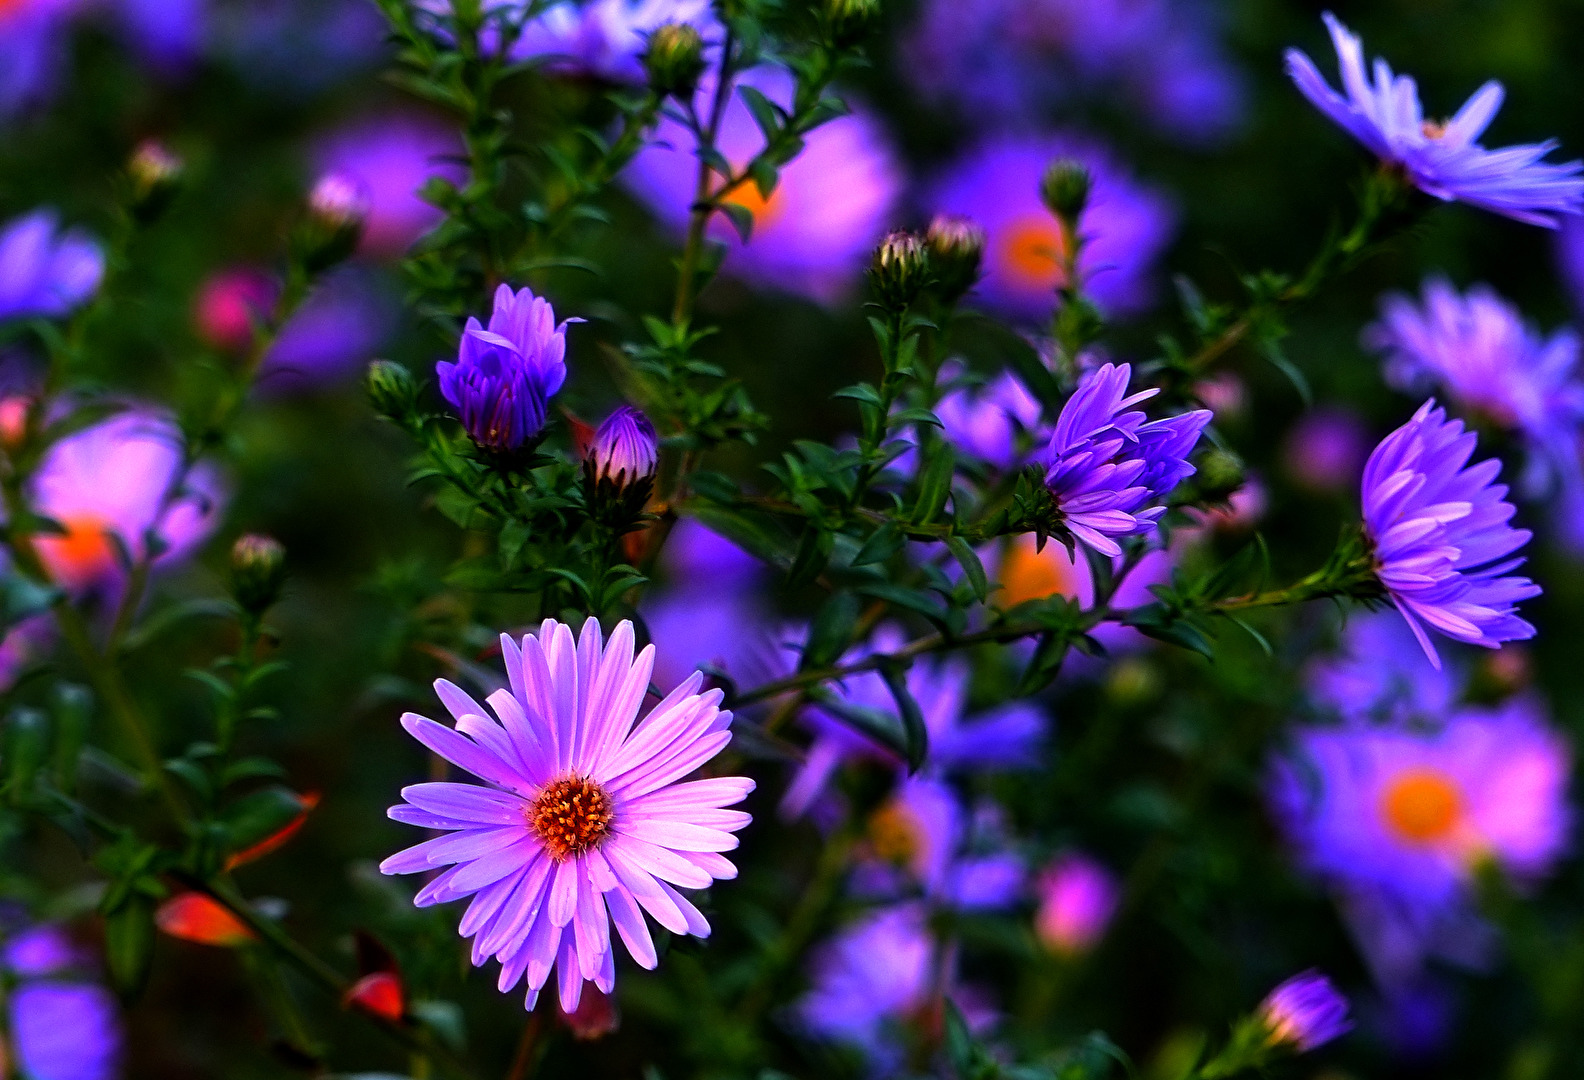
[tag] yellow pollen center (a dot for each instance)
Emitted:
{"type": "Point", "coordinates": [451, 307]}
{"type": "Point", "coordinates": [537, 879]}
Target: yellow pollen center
{"type": "Point", "coordinates": [1027, 574]}
{"type": "Point", "coordinates": [1433, 129]}
{"type": "Point", "coordinates": [82, 554]}
{"type": "Point", "coordinates": [747, 196]}
{"type": "Point", "coordinates": [894, 834]}
{"type": "Point", "coordinates": [570, 816]}
{"type": "Point", "coordinates": [1034, 250]}
{"type": "Point", "coordinates": [1422, 806]}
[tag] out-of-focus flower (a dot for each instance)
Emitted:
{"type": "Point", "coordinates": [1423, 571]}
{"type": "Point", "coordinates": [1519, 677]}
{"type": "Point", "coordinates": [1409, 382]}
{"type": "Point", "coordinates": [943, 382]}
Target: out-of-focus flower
{"type": "Point", "coordinates": [1015, 60]}
{"type": "Point", "coordinates": [195, 917]}
{"type": "Point", "coordinates": [168, 35]}
{"type": "Point", "coordinates": [594, 1018]}
{"type": "Point", "coordinates": [44, 270]}
{"type": "Point", "coordinates": [393, 155]}
{"type": "Point", "coordinates": [815, 231]}
{"type": "Point", "coordinates": [608, 38]}
{"type": "Point", "coordinates": [294, 49]}
{"type": "Point", "coordinates": [504, 377]}
{"type": "Point", "coordinates": [1240, 511]}
{"type": "Point", "coordinates": [230, 304]}
{"type": "Point", "coordinates": [1442, 159]}
{"type": "Point", "coordinates": [113, 478]}
{"type": "Point", "coordinates": [1441, 534]}
{"type": "Point", "coordinates": [1326, 448]}
{"type": "Point", "coordinates": [343, 324]}
{"type": "Point", "coordinates": [1570, 253]}
{"type": "Point", "coordinates": [1381, 674]}
{"type": "Point", "coordinates": [1125, 225]}
{"type": "Point", "coordinates": [23, 644]}
{"type": "Point", "coordinates": [1077, 897]}
{"type": "Point", "coordinates": [1305, 1012]}
{"type": "Point", "coordinates": [1407, 814]}
{"type": "Point", "coordinates": [65, 1031]}
{"type": "Point", "coordinates": [1005, 737]}
{"type": "Point", "coordinates": [155, 174]}
{"type": "Point", "coordinates": [1108, 467]}
{"type": "Point", "coordinates": [32, 49]}
{"type": "Point", "coordinates": [994, 422]}
{"type": "Point", "coordinates": [582, 820]}
{"type": "Point", "coordinates": [922, 838]}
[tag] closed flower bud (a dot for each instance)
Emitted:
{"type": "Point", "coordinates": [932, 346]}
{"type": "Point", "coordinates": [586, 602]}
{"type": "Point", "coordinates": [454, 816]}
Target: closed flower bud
{"type": "Point", "coordinates": [1304, 1012]}
{"type": "Point", "coordinates": [338, 208]}
{"type": "Point", "coordinates": [900, 270]}
{"type": "Point", "coordinates": [1065, 188]}
{"type": "Point", "coordinates": [392, 390]}
{"type": "Point", "coordinates": [258, 568]}
{"type": "Point", "coordinates": [956, 249]}
{"type": "Point", "coordinates": [675, 59]}
{"type": "Point", "coordinates": [1221, 473]}
{"type": "Point", "coordinates": [619, 466]}
{"type": "Point", "coordinates": [155, 174]}
{"type": "Point", "coordinates": [850, 20]}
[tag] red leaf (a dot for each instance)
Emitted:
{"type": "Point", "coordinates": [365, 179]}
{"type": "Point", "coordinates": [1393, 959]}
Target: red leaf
{"type": "Point", "coordinates": [192, 916]}
{"type": "Point", "coordinates": [380, 994]}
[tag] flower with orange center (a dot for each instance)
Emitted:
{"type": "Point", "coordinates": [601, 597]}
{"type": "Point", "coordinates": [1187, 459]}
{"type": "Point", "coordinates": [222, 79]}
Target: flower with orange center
{"type": "Point", "coordinates": [1030, 574]}
{"type": "Point", "coordinates": [80, 557]}
{"type": "Point", "coordinates": [570, 816]}
{"type": "Point", "coordinates": [1034, 252]}
{"type": "Point", "coordinates": [1422, 806]}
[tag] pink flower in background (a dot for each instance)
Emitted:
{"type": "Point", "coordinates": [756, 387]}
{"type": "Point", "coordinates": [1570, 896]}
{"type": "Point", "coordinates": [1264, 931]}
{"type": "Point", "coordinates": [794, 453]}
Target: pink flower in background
{"type": "Point", "coordinates": [1325, 450]}
{"type": "Point", "coordinates": [230, 303]}
{"type": "Point", "coordinates": [1077, 897]}
{"type": "Point", "coordinates": [815, 231]}
{"type": "Point", "coordinates": [393, 155]}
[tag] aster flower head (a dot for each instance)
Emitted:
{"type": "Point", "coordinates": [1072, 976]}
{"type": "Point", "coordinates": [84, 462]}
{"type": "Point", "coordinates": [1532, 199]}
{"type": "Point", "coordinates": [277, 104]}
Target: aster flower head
{"type": "Point", "coordinates": [504, 376]}
{"type": "Point", "coordinates": [1108, 466]}
{"type": "Point", "coordinates": [1441, 536]}
{"type": "Point", "coordinates": [922, 838]}
{"type": "Point", "coordinates": [1305, 1012]}
{"type": "Point", "coordinates": [1124, 226]}
{"type": "Point", "coordinates": [608, 38]}
{"type": "Point", "coordinates": [1444, 160]}
{"type": "Point", "coordinates": [1077, 897]}
{"type": "Point", "coordinates": [1380, 674]}
{"type": "Point", "coordinates": [625, 448]}
{"type": "Point", "coordinates": [582, 819]}
{"type": "Point", "coordinates": [46, 271]}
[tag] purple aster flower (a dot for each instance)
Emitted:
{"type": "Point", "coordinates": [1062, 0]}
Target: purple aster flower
{"type": "Point", "coordinates": [1326, 448]}
{"type": "Point", "coordinates": [607, 38]}
{"type": "Point", "coordinates": [814, 233]}
{"type": "Point", "coordinates": [342, 326]}
{"type": "Point", "coordinates": [505, 376]}
{"type": "Point", "coordinates": [65, 1031]}
{"type": "Point", "coordinates": [1380, 673]}
{"type": "Point", "coordinates": [1077, 897]}
{"type": "Point", "coordinates": [625, 448]}
{"type": "Point", "coordinates": [991, 421]}
{"type": "Point", "coordinates": [1440, 159]}
{"type": "Point", "coordinates": [1402, 816]}
{"type": "Point", "coordinates": [40, 950]}
{"type": "Point", "coordinates": [1108, 467]}
{"type": "Point", "coordinates": [113, 478]}
{"type": "Point", "coordinates": [583, 819]}
{"type": "Point", "coordinates": [33, 47]}
{"type": "Point", "coordinates": [45, 271]}
{"type": "Point", "coordinates": [1441, 536]}
{"type": "Point", "coordinates": [393, 155]}
{"type": "Point", "coordinates": [1306, 1012]}
{"type": "Point", "coordinates": [1125, 225]}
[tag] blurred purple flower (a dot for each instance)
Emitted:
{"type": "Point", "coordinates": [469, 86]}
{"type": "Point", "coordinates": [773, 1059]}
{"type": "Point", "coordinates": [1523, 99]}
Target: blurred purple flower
{"type": "Point", "coordinates": [989, 420]}
{"type": "Point", "coordinates": [1015, 60]}
{"type": "Point", "coordinates": [1306, 1011]}
{"type": "Point", "coordinates": [394, 155]}
{"type": "Point", "coordinates": [504, 377]}
{"type": "Point", "coordinates": [1326, 448]}
{"type": "Point", "coordinates": [1125, 225]}
{"type": "Point", "coordinates": [1441, 536]}
{"type": "Point", "coordinates": [33, 40]}
{"type": "Point", "coordinates": [296, 48]}
{"type": "Point", "coordinates": [342, 325]}
{"type": "Point", "coordinates": [1077, 897]}
{"type": "Point", "coordinates": [44, 949]}
{"type": "Point", "coordinates": [1381, 674]}
{"type": "Point", "coordinates": [1440, 159]}
{"type": "Point", "coordinates": [65, 1031]}
{"type": "Point", "coordinates": [44, 270]}
{"type": "Point", "coordinates": [583, 820]}
{"type": "Point", "coordinates": [113, 478]}
{"type": "Point", "coordinates": [1107, 464]}
{"type": "Point", "coordinates": [168, 35]}
{"type": "Point", "coordinates": [607, 38]}
{"type": "Point", "coordinates": [923, 839]}
{"type": "Point", "coordinates": [816, 230]}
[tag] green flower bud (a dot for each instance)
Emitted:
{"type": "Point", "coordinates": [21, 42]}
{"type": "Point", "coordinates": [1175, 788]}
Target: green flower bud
{"type": "Point", "coordinates": [955, 247]}
{"type": "Point", "coordinates": [258, 569]}
{"type": "Point", "coordinates": [392, 390]}
{"type": "Point", "coordinates": [675, 59]}
{"type": "Point", "coordinates": [1221, 473]}
{"type": "Point", "coordinates": [900, 270]}
{"type": "Point", "coordinates": [1065, 188]}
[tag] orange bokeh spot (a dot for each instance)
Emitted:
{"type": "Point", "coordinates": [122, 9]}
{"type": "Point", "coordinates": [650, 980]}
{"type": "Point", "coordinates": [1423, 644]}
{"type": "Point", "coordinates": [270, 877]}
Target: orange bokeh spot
{"type": "Point", "coordinates": [80, 557]}
{"type": "Point", "coordinates": [895, 835]}
{"type": "Point", "coordinates": [763, 210]}
{"type": "Point", "coordinates": [192, 916]}
{"type": "Point", "coordinates": [380, 994]}
{"type": "Point", "coordinates": [1033, 250]}
{"type": "Point", "coordinates": [1422, 806]}
{"type": "Point", "coordinates": [1027, 574]}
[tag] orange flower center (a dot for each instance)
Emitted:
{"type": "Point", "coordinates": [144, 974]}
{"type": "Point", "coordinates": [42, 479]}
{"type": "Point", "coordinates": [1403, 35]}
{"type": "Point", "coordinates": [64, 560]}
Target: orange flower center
{"type": "Point", "coordinates": [570, 816]}
{"type": "Point", "coordinates": [894, 834]}
{"type": "Point", "coordinates": [80, 556]}
{"type": "Point", "coordinates": [764, 210]}
{"type": "Point", "coordinates": [1027, 574]}
{"type": "Point", "coordinates": [1433, 129]}
{"type": "Point", "coordinates": [1033, 251]}
{"type": "Point", "coordinates": [1422, 806]}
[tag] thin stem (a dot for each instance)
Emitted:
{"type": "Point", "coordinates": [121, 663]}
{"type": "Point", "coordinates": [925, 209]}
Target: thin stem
{"type": "Point", "coordinates": [703, 203]}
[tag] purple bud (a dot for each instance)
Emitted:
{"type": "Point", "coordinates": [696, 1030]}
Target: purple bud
{"type": "Point", "coordinates": [625, 450]}
{"type": "Point", "coordinates": [340, 201]}
{"type": "Point", "coordinates": [1305, 1012]}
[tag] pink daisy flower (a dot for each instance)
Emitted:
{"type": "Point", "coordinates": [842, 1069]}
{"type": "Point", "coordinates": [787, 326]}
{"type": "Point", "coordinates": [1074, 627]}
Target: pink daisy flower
{"type": "Point", "coordinates": [581, 821]}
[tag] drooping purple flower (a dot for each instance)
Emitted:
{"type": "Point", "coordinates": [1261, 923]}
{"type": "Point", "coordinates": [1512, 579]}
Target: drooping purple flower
{"type": "Point", "coordinates": [1077, 897]}
{"type": "Point", "coordinates": [625, 448]}
{"type": "Point", "coordinates": [1306, 1011]}
{"type": "Point", "coordinates": [45, 271]}
{"type": "Point", "coordinates": [1441, 534]}
{"type": "Point", "coordinates": [607, 38]}
{"type": "Point", "coordinates": [583, 819]}
{"type": "Point", "coordinates": [1108, 466]}
{"type": "Point", "coordinates": [393, 155]}
{"type": "Point", "coordinates": [816, 230]}
{"type": "Point", "coordinates": [505, 376]}
{"type": "Point", "coordinates": [1125, 225]}
{"type": "Point", "coordinates": [1444, 160]}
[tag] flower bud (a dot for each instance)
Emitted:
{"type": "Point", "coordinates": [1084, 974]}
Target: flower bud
{"type": "Point", "coordinates": [1065, 188]}
{"type": "Point", "coordinates": [619, 465]}
{"type": "Point", "coordinates": [338, 208]}
{"type": "Point", "coordinates": [392, 390]}
{"type": "Point", "coordinates": [899, 270]}
{"type": "Point", "coordinates": [156, 173]}
{"type": "Point", "coordinates": [1304, 1012]}
{"type": "Point", "coordinates": [258, 568]}
{"type": "Point", "coordinates": [675, 59]}
{"type": "Point", "coordinates": [850, 20]}
{"type": "Point", "coordinates": [1221, 473]}
{"type": "Point", "coordinates": [955, 247]}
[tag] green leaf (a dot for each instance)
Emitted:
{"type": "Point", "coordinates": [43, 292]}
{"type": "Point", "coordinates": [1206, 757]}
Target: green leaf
{"type": "Point", "coordinates": [913, 726]}
{"type": "Point", "coordinates": [883, 543]}
{"type": "Point", "coordinates": [770, 117]}
{"type": "Point", "coordinates": [741, 218]}
{"type": "Point", "coordinates": [27, 733]}
{"type": "Point", "coordinates": [972, 567]}
{"type": "Point", "coordinates": [129, 943]}
{"type": "Point", "coordinates": [259, 814]}
{"type": "Point", "coordinates": [813, 554]}
{"type": "Point", "coordinates": [831, 631]}
{"type": "Point", "coordinates": [882, 727]}
{"type": "Point", "coordinates": [935, 483]}
{"type": "Point", "coordinates": [861, 392]}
